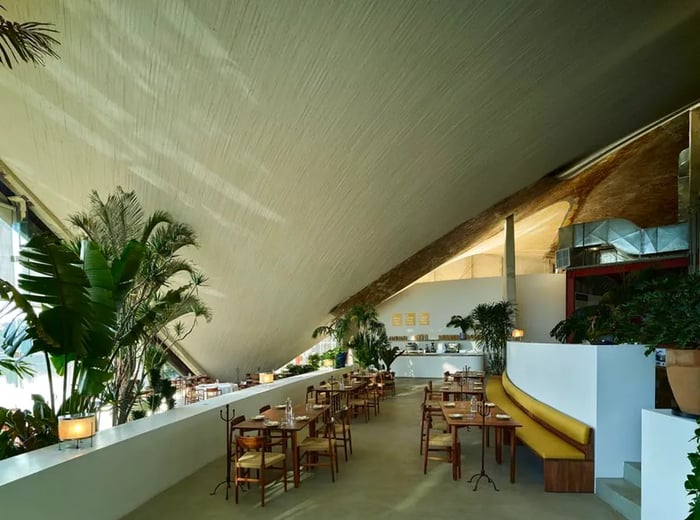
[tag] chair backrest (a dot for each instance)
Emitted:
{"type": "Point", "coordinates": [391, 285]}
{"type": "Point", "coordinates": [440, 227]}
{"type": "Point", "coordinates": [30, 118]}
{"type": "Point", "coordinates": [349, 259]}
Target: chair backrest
{"type": "Point", "coordinates": [251, 443]}
{"type": "Point", "coordinates": [264, 408]}
{"type": "Point", "coordinates": [429, 395]}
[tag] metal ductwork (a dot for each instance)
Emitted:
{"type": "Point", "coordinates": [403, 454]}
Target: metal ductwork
{"type": "Point", "coordinates": [617, 240]}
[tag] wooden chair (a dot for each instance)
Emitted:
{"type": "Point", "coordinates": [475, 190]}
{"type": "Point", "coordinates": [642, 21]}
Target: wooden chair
{"type": "Point", "coordinates": [373, 396]}
{"type": "Point", "coordinates": [432, 399]}
{"type": "Point", "coordinates": [310, 397]}
{"type": "Point", "coordinates": [390, 383]}
{"type": "Point", "coordinates": [251, 454]}
{"type": "Point", "coordinates": [341, 431]}
{"type": "Point", "coordinates": [436, 442]}
{"type": "Point", "coordinates": [312, 450]}
{"type": "Point", "coordinates": [359, 403]}
{"type": "Point", "coordinates": [437, 423]}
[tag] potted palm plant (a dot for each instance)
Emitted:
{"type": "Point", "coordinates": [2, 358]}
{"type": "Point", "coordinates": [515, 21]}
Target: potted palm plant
{"type": "Point", "coordinates": [464, 323]}
{"type": "Point", "coordinates": [493, 323]}
{"type": "Point", "coordinates": [665, 312]}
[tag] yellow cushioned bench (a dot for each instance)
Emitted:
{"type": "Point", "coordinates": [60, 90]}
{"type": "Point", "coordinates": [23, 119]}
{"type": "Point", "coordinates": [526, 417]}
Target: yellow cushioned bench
{"type": "Point", "coordinates": [562, 442]}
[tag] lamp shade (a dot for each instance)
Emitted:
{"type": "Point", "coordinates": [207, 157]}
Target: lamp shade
{"type": "Point", "coordinates": [76, 427]}
{"type": "Point", "coordinates": [518, 333]}
{"type": "Point", "coordinates": [267, 377]}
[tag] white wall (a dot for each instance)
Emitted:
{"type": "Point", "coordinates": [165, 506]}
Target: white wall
{"type": "Point", "coordinates": [665, 447]}
{"type": "Point", "coordinates": [132, 463]}
{"type": "Point", "coordinates": [626, 384]}
{"type": "Point", "coordinates": [540, 304]}
{"type": "Point", "coordinates": [604, 386]}
{"type": "Point", "coordinates": [563, 376]}
{"type": "Point", "coordinates": [442, 300]}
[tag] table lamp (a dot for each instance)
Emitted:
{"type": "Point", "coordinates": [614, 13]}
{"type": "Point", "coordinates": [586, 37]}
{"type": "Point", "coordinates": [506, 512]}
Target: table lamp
{"type": "Point", "coordinates": [76, 428]}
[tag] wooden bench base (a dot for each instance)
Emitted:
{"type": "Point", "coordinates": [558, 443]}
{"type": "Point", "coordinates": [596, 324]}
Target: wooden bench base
{"type": "Point", "coordinates": [568, 476]}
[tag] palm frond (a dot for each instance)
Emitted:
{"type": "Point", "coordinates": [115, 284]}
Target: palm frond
{"type": "Point", "coordinates": [15, 366]}
{"type": "Point", "coordinates": [158, 217]}
{"type": "Point", "coordinates": [167, 240]}
{"type": "Point", "coordinates": [28, 42]}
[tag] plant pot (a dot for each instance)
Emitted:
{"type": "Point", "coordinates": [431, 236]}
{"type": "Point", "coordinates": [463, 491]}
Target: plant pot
{"type": "Point", "coordinates": [683, 370]}
{"type": "Point", "coordinates": [328, 363]}
{"type": "Point", "coordinates": [340, 359]}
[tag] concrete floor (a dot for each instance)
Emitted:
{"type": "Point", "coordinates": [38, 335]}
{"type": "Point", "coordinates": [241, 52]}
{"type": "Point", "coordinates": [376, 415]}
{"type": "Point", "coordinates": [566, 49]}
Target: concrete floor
{"type": "Point", "coordinates": [384, 479]}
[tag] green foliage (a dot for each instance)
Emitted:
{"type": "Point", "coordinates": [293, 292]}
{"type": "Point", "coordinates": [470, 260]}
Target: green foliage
{"type": "Point", "coordinates": [15, 366]}
{"type": "Point", "coordinates": [26, 41]}
{"type": "Point", "coordinates": [330, 353]}
{"type": "Point", "coordinates": [464, 323]}
{"type": "Point", "coordinates": [663, 311]}
{"type": "Point", "coordinates": [647, 307]}
{"type": "Point", "coordinates": [585, 324]}
{"type": "Point", "coordinates": [388, 354]}
{"type": "Point", "coordinates": [493, 323]}
{"type": "Point", "coordinates": [692, 482]}
{"type": "Point", "coordinates": [161, 389]}
{"type": "Point", "coordinates": [77, 303]}
{"type": "Point", "coordinates": [360, 329]}
{"type": "Point", "coordinates": [295, 370]}
{"type": "Point", "coordinates": [24, 430]}
{"type": "Point", "coordinates": [162, 301]}
{"type": "Point", "coordinates": [315, 360]}
{"type": "Point", "coordinates": [367, 333]}
{"type": "Point", "coordinates": [337, 329]}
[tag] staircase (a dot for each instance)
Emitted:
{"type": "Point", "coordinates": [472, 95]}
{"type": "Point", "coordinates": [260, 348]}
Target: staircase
{"type": "Point", "coordinates": [624, 495]}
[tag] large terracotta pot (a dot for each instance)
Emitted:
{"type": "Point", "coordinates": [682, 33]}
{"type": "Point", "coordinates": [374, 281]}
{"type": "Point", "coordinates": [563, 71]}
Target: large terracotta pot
{"type": "Point", "coordinates": [683, 369]}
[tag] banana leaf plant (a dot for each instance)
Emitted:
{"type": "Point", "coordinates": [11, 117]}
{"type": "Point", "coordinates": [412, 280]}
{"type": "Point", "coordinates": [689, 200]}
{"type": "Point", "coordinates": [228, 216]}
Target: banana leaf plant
{"type": "Point", "coordinates": [26, 430]}
{"type": "Point", "coordinates": [65, 308]}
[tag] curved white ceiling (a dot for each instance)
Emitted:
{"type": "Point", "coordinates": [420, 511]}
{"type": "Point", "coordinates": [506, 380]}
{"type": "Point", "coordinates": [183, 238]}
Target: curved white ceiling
{"type": "Point", "coordinates": [315, 145]}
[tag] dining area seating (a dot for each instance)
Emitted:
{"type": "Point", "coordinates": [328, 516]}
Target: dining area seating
{"type": "Point", "coordinates": [310, 439]}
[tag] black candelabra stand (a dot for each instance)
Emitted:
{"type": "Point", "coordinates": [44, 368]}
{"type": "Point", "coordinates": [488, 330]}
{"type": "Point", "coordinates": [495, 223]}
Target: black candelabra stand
{"type": "Point", "coordinates": [484, 411]}
{"type": "Point", "coordinates": [229, 438]}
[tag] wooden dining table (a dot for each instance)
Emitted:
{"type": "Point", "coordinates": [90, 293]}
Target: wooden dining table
{"type": "Point", "coordinates": [472, 374]}
{"type": "Point", "coordinates": [458, 415]}
{"type": "Point", "coordinates": [277, 414]}
{"type": "Point", "coordinates": [343, 392]}
{"type": "Point", "coordinates": [459, 392]}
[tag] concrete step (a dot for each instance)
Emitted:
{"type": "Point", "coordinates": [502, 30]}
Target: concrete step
{"type": "Point", "coordinates": [623, 496]}
{"type": "Point", "coordinates": [633, 473]}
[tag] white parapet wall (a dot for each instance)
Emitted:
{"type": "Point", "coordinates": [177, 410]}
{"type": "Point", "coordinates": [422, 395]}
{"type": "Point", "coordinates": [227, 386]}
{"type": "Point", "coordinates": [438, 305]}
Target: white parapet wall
{"type": "Point", "coordinates": [666, 442]}
{"type": "Point", "coordinates": [604, 386]}
{"type": "Point", "coordinates": [132, 463]}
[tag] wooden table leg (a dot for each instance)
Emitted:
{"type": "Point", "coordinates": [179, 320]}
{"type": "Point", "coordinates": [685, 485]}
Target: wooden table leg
{"type": "Point", "coordinates": [455, 461]}
{"type": "Point", "coordinates": [499, 445]}
{"type": "Point", "coordinates": [512, 454]}
{"type": "Point", "coordinates": [295, 459]}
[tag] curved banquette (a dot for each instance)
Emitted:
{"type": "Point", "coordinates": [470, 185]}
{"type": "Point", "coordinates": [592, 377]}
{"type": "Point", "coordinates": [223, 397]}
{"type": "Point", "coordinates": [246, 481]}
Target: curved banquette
{"type": "Point", "coordinates": [563, 443]}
